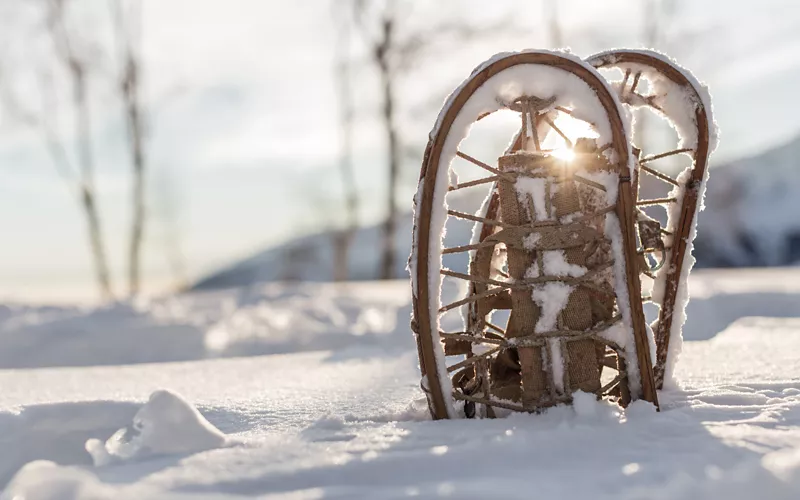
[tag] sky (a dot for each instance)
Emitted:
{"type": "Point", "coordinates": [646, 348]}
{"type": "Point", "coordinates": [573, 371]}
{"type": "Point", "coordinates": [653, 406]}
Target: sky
{"type": "Point", "coordinates": [243, 140]}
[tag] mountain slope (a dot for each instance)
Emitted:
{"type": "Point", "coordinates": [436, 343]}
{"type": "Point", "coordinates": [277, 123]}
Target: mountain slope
{"type": "Point", "coordinates": [749, 220]}
{"type": "Point", "coordinates": [751, 211]}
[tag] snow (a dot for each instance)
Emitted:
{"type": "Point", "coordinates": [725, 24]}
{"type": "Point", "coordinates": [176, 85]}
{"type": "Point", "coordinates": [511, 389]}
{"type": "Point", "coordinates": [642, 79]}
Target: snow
{"type": "Point", "coordinates": [613, 231]}
{"type": "Point", "coordinates": [349, 420]}
{"type": "Point", "coordinates": [677, 102]}
{"type": "Point", "coordinates": [552, 299]}
{"type": "Point", "coordinates": [166, 425]}
{"type": "Point", "coordinates": [266, 319]}
{"type": "Point", "coordinates": [659, 286]}
{"type": "Point", "coordinates": [555, 264]}
{"type": "Point", "coordinates": [535, 187]}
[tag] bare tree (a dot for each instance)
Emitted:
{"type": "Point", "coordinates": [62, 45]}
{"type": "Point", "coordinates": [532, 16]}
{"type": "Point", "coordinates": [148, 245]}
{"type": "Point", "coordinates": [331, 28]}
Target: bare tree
{"type": "Point", "coordinates": [555, 33]}
{"type": "Point", "coordinates": [657, 16]}
{"type": "Point", "coordinates": [128, 29]}
{"type": "Point", "coordinates": [343, 239]}
{"type": "Point", "coordinates": [382, 46]}
{"type": "Point", "coordinates": [83, 177]}
{"type": "Point", "coordinates": [393, 48]}
{"type": "Point", "coordinates": [165, 215]}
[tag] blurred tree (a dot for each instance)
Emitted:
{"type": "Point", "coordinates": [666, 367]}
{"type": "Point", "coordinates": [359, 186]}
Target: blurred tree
{"type": "Point", "coordinates": [342, 239]}
{"type": "Point", "coordinates": [128, 30]}
{"type": "Point", "coordinates": [658, 14]}
{"type": "Point", "coordinates": [166, 215]}
{"type": "Point", "coordinates": [554, 31]}
{"type": "Point", "coordinates": [393, 47]}
{"type": "Point", "coordinates": [77, 67]}
{"type": "Point", "coordinates": [377, 22]}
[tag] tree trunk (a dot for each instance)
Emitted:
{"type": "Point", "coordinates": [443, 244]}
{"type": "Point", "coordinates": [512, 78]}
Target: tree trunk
{"type": "Point", "coordinates": [129, 86]}
{"type": "Point", "coordinates": [138, 208]}
{"type": "Point", "coordinates": [343, 239]}
{"type": "Point", "coordinates": [390, 224]}
{"type": "Point", "coordinates": [554, 24]}
{"type": "Point", "coordinates": [87, 189]}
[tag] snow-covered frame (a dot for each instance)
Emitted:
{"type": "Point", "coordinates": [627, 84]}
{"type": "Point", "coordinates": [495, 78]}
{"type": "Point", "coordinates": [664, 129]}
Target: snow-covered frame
{"type": "Point", "coordinates": [689, 111]}
{"type": "Point", "coordinates": [425, 261]}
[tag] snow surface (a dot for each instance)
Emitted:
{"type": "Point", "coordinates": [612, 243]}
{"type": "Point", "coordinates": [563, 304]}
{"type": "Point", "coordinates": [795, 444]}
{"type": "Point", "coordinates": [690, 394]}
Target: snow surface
{"type": "Point", "coordinates": [348, 421]}
{"type": "Point", "coordinates": [166, 425]}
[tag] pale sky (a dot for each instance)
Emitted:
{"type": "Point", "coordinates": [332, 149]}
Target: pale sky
{"type": "Point", "coordinates": [244, 128]}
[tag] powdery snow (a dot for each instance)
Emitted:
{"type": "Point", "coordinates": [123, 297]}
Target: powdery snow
{"type": "Point", "coordinates": [352, 423]}
{"type": "Point", "coordinates": [555, 264]}
{"type": "Point", "coordinates": [166, 425]}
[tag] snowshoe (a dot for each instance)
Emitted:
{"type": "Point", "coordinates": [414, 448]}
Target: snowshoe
{"type": "Point", "coordinates": [647, 79]}
{"type": "Point", "coordinates": [548, 292]}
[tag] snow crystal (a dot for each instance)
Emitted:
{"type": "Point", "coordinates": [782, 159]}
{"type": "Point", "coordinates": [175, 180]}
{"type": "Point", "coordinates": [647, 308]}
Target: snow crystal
{"type": "Point", "coordinates": [555, 264]}
{"type": "Point", "coordinates": [557, 362]}
{"type": "Point", "coordinates": [166, 425]}
{"type": "Point", "coordinates": [530, 241]}
{"type": "Point", "coordinates": [552, 298]}
{"type": "Point", "coordinates": [614, 234]}
{"type": "Point", "coordinates": [534, 187]}
{"type": "Point", "coordinates": [414, 257]}
{"type": "Point", "coordinates": [453, 178]}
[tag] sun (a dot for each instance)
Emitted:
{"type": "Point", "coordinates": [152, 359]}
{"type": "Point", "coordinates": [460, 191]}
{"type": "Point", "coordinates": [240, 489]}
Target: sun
{"type": "Point", "coordinates": [565, 154]}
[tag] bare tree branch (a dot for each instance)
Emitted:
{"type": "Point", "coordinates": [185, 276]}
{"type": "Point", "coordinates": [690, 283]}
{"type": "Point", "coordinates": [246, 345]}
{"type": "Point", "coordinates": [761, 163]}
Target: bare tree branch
{"type": "Point", "coordinates": [393, 50]}
{"type": "Point", "coordinates": [77, 69]}
{"type": "Point", "coordinates": [343, 239]}
{"type": "Point", "coordinates": [128, 30]}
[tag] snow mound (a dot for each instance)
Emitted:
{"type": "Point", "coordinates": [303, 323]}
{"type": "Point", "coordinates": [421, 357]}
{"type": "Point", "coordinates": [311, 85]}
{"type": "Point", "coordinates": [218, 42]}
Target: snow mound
{"type": "Point", "coordinates": [267, 319]}
{"type": "Point", "coordinates": [61, 483]}
{"type": "Point", "coordinates": [775, 476]}
{"type": "Point", "coordinates": [166, 425]}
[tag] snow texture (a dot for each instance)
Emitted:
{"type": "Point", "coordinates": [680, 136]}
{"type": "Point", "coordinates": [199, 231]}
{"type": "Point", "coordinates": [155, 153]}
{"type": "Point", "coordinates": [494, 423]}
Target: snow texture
{"type": "Point", "coordinates": [349, 423]}
{"type": "Point", "coordinates": [555, 264]}
{"type": "Point", "coordinates": [535, 187]}
{"type": "Point", "coordinates": [505, 86]}
{"type": "Point", "coordinates": [678, 103]}
{"type": "Point", "coordinates": [166, 425]}
{"type": "Point", "coordinates": [552, 298]}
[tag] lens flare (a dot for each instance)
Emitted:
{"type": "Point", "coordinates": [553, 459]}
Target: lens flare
{"type": "Point", "coordinates": [564, 154]}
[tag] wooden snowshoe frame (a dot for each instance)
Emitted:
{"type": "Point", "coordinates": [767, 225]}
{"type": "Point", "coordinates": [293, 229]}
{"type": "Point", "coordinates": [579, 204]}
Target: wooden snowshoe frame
{"type": "Point", "coordinates": [674, 261]}
{"type": "Point", "coordinates": [471, 374]}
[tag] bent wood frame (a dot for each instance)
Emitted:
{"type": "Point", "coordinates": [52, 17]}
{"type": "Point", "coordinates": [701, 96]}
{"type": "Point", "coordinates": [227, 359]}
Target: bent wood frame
{"type": "Point", "coordinates": [691, 196]}
{"type": "Point", "coordinates": [425, 318]}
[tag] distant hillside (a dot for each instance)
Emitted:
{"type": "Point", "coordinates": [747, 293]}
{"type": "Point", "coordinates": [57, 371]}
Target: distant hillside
{"type": "Point", "coordinates": [752, 218]}
{"type": "Point", "coordinates": [752, 215]}
{"type": "Point", "coordinates": [310, 258]}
